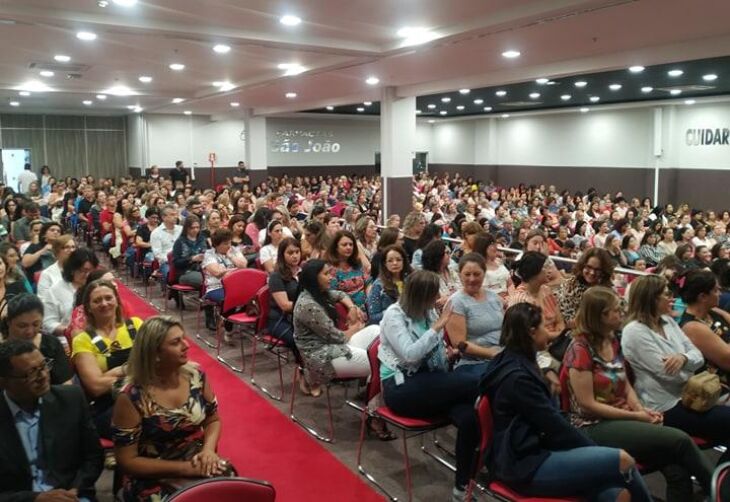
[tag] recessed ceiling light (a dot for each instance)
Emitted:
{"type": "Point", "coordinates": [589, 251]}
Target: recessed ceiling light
{"type": "Point", "coordinates": [131, 107]}
{"type": "Point", "coordinates": [291, 69]}
{"type": "Point", "coordinates": [61, 58]}
{"type": "Point", "coordinates": [177, 101]}
{"type": "Point", "coordinates": [86, 36]}
{"type": "Point", "coordinates": [565, 97]}
{"type": "Point", "coordinates": [224, 86]}
{"type": "Point", "coordinates": [501, 94]}
{"type": "Point", "coordinates": [125, 3]}
{"type": "Point", "coordinates": [614, 87]}
{"type": "Point", "coordinates": [235, 104]}
{"type": "Point", "coordinates": [552, 82]}
{"type": "Point", "coordinates": [418, 112]}
{"type": "Point", "coordinates": [330, 108]}
{"type": "Point", "coordinates": [581, 83]}
{"type": "Point", "coordinates": [647, 89]}
{"type": "Point", "coordinates": [443, 112]}
{"type": "Point", "coordinates": [119, 90]}
{"type": "Point", "coordinates": [372, 81]}
{"type": "Point", "coordinates": [636, 69]}
{"type": "Point", "coordinates": [584, 110]}
{"type": "Point", "coordinates": [487, 108]}
{"type": "Point", "coordinates": [290, 95]}
{"type": "Point", "coordinates": [33, 86]}
{"type": "Point", "coordinates": [46, 73]}
{"type": "Point", "coordinates": [368, 103]}
{"type": "Point", "coordinates": [511, 54]}
{"type": "Point", "coordinates": [689, 101]}
{"type": "Point", "coordinates": [188, 112]}
{"type": "Point", "coordinates": [102, 3]}
{"type": "Point", "coordinates": [222, 48]}
{"type": "Point", "coordinates": [87, 102]}
{"type": "Point", "coordinates": [534, 95]}
{"type": "Point", "coordinates": [675, 73]}
{"type": "Point", "coordinates": [145, 79]}
{"type": "Point", "coordinates": [101, 97]}
{"type": "Point", "coordinates": [464, 91]}
{"type": "Point", "coordinates": [595, 99]}
{"type": "Point", "coordinates": [415, 35]}
{"type": "Point", "coordinates": [431, 106]}
{"type": "Point", "coordinates": [460, 107]}
{"type": "Point", "coordinates": [360, 109]}
{"type": "Point", "coordinates": [446, 100]}
{"type": "Point", "coordinates": [431, 121]}
{"type": "Point", "coordinates": [24, 93]}
{"type": "Point", "coordinates": [675, 92]}
{"type": "Point", "coordinates": [710, 77]}
{"type": "Point", "coordinates": [290, 20]}
{"type": "Point", "coordinates": [478, 101]}
{"type": "Point", "coordinates": [542, 81]}
{"type": "Point", "coordinates": [505, 115]}
{"type": "Point", "coordinates": [14, 103]}
{"type": "Point", "coordinates": [177, 66]}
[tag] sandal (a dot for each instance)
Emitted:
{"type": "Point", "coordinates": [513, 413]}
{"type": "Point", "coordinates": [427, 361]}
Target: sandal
{"type": "Point", "coordinates": [379, 429]}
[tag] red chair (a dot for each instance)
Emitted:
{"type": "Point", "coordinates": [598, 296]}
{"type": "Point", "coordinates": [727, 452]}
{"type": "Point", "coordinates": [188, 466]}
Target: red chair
{"type": "Point", "coordinates": [203, 303]}
{"type": "Point", "coordinates": [720, 478]}
{"type": "Point", "coordinates": [181, 289]}
{"type": "Point", "coordinates": [240, 287]}
{"type": "Point", "coordinates": [226, 490]}
{"type": "Point", "coordinates": [274, 345]}
{"type": "Point", "coordinates": [311, 429]}
{"type": "Point", "coordinates": [497, 489]}
{"type": "Point", "coordinates": [410, 427]}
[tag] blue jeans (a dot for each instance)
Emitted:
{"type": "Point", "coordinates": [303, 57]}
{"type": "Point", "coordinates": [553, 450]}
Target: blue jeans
{"type": "Point", "coordinates": [475, 370]}
{"type": "Point", "coordinates": [432, 394]}
{"type": "Point", "coordinates": [591, 471]}
{"type": "Point", "coordinates": [215, 295]}
{"type": "Point", "coordinates": [164, 269]}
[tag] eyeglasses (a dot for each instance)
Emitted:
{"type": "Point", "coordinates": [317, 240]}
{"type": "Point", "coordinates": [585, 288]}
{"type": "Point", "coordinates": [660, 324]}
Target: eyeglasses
{"type": "Point", "coordinates": [35, 372]}
{"type": "Point", "coordinates": [593, 270]}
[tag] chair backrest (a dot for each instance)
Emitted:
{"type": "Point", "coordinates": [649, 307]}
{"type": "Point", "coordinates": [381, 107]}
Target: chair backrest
{"type": "Point", "coordinates": [226, 490]}
{"type": "Point", "coordinates": [171, 271]}
{"type": "Point", "coordinates": [486, 429]}
{"type": "Point", "coordinates": [564, 378]}
{"type": "Point", "coordinates": [373, 387]}
{"type": "Point", "coordinates": [721, 483]}
{"type": "Point", "coordinates": [341, 316]}
{"type": "Point", "coordinates": [263, 298]}
{"type": "Point", "coordinates": [241, 286]}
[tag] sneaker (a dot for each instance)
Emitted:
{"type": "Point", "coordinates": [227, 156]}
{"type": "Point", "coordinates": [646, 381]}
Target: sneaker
{"type": "Point", "coordinates": [228, 338]}
{"type": "Point", "coordinates": [458, 495]}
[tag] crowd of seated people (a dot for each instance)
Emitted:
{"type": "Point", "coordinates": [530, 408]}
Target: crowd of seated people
{"type": "Point", "coordinates": [522, 278]}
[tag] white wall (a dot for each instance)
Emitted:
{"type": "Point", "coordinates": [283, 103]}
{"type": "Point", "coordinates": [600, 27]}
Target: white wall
{"type": "Point", "coordinates": [453, 143]}
{"type": "Point", "coordinates": [698, 156]}
{"type": "Point", "coordinates": [358, 141]}
{"type": "Point", "coordinates": [192, 138]}
{"type": "Point", "coordinates": [613, 138]}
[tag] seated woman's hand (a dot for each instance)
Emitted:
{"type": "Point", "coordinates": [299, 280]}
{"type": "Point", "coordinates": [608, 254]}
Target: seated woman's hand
{"type": "Point", "coordinates": [208, 463]}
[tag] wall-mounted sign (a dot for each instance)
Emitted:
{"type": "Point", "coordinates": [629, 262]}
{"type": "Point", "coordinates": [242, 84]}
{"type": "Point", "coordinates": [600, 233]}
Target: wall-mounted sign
{"type": "Point", "coordinates": [304, 141]}
{"type": "Point", "coordinates": [707, 137]}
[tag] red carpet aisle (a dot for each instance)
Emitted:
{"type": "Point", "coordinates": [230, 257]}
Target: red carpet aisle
{"type": "Point", "coordinates": [264, 444]}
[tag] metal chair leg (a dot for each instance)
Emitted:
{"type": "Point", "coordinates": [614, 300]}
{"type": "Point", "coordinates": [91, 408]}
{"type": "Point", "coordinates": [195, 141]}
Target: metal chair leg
{"type": "Point", "coordinates": [307, 427]}
{"type": "Point", "coordinates": [277, 352]}
{"type": "Point", "coordinates": [219, 337]}
{"type": "Point", "coordinates": [361, 468]}
{"type": "Point", "coordinates": [197, 334]}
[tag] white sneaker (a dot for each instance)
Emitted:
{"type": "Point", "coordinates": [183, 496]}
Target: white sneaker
{"type": "Point", "coordinates": [460, 496]}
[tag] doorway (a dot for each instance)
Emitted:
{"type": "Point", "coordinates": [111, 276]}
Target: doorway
{"type": "Point", "coordinates": [14, 160]}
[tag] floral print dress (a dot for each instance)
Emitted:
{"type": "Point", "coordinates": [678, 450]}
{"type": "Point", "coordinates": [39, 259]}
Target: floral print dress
{"type": "Point", "coordinates": [164, 433]}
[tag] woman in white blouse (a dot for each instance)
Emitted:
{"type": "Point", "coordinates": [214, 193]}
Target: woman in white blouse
{"type": "Point", "coordinates": [270, 250]}
{"type": "Point", "coordinates": [497, 278]}
{"type": "Point", "coordinates": [63, 246]}
{"type": "Point", "coordinates": [663, 359]}
{"type": "Point", "coordinates": [58, 302]}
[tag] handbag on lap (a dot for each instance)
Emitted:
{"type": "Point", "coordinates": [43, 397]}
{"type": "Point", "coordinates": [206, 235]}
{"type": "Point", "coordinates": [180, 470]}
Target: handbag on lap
{"type": "Point", "coordinates": [701, 392]}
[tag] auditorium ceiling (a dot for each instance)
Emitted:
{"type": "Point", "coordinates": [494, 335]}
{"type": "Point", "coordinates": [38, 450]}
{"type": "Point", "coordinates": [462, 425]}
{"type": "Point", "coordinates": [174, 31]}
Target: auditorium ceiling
{"type": "Point", "coordinates": [266, 57]}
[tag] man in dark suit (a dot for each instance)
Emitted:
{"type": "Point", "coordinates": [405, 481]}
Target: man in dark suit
{"type": "Point", "coordinates": [49, 448]}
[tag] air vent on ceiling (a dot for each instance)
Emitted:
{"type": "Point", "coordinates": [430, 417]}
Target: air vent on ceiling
{"type": "Point", "coordinates": [686, 88]}
{"type": "Point", "coordinates": [522, 103]}
{"type": "Point", "coordinates": [59, 67]}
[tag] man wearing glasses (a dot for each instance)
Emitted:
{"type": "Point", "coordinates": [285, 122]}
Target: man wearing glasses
{"type": "Point", "coordinates": [49, 448]}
